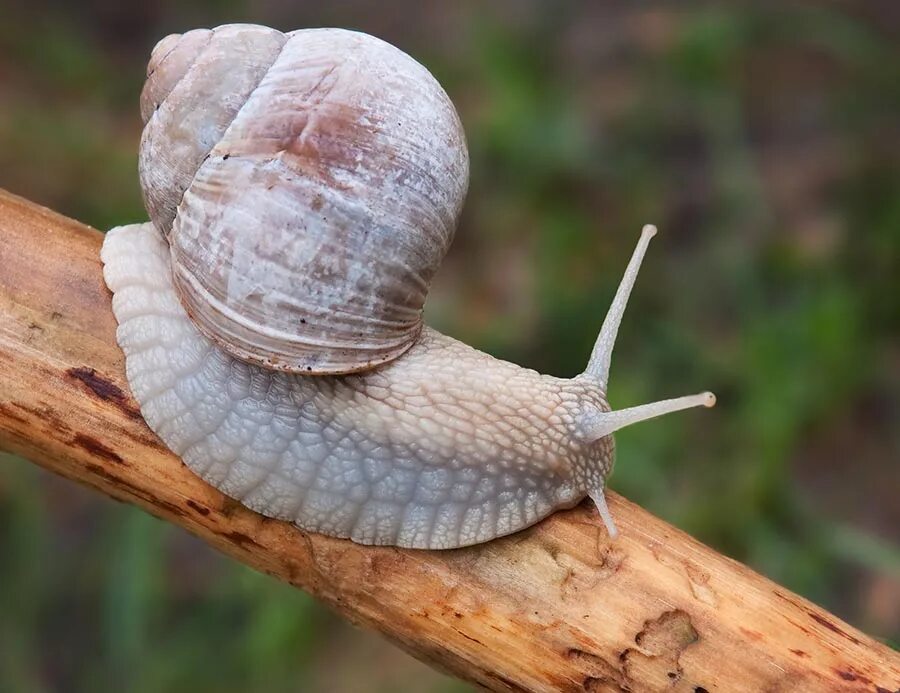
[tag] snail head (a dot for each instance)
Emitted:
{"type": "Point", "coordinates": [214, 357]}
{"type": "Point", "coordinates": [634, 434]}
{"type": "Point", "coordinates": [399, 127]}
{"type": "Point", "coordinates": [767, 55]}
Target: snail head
{"type": "Point", "coordinates": [594, 424]}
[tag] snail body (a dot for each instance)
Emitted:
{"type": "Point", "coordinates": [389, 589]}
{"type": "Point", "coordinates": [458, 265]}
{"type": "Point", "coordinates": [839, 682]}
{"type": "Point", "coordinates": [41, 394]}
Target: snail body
{"type": "Point", "coordinates": [270, 313]}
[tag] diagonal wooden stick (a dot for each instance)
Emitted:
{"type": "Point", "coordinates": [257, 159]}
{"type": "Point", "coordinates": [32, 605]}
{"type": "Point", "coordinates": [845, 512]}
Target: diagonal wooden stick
{"type": "Point", "coordinates": [555, 608]}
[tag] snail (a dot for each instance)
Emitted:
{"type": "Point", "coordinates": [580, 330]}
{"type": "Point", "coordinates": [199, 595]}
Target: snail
{"type": "Point", "coordinates": [303, 188]}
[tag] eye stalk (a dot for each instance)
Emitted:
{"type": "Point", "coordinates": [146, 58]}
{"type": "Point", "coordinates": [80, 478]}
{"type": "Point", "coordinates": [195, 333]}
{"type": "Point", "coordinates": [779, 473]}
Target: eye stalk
{"type": "Point", "coordinates": [601, 356]}
{"type": "Point", "coordinates": [594, 424]}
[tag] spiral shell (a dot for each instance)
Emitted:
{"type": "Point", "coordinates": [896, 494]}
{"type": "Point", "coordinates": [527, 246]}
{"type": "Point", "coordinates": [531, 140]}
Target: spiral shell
{"type": "Point", "coordinates": [309, 185]}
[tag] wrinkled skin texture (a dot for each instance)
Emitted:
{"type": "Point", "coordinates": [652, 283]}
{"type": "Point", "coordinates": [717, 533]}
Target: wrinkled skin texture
{"type": "Point", "coordinates": [444, 447]}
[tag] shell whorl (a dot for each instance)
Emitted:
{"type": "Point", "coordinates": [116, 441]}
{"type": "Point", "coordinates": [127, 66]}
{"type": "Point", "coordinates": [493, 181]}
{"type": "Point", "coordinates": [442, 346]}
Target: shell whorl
{"type": "Point", "coordinates": [309, 185]}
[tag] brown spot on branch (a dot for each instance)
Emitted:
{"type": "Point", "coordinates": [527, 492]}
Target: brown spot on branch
{"type": "Point", "coordinates": [196, 507]}
{"type": "Point", "coordinates": [104, 389]}
{"type": "Point", "coordinates": [830, 626]}
{"type": "Point", "coordinates": [96, 448]}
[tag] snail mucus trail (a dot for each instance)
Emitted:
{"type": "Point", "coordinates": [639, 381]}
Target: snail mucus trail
{"type": "Point", "coordinates": [302, 190]}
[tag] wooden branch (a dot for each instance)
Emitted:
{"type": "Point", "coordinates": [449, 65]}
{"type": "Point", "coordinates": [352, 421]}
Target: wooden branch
{"type": "Point", "coordinates": [557, 607]}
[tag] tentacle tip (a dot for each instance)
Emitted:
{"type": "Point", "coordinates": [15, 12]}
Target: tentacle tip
{"type": "Point", "coordinates": [709, 400]}
{"type": "Point", "coordinates": [611, 529]}
{"type": "Point", "coordinates": [599, 499]}
{"type": "Point", "coordinates": [649, 231]}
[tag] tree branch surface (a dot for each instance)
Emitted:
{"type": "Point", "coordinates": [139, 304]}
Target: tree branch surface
{"type": "Point", "coordinates": [557, 607]}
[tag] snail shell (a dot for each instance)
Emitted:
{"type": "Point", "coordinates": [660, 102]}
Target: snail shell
{"type": "Point", "coordinates": [309, 185]}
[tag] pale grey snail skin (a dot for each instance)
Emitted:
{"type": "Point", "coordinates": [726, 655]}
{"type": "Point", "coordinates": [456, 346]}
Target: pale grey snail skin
{"type": "Point", "coordinates": [440, 446]}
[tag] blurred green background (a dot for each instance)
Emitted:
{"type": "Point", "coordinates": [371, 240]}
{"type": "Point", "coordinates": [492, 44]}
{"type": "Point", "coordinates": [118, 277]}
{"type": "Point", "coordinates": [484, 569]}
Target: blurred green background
{"type": "Point", "coordinates": [762, 139]}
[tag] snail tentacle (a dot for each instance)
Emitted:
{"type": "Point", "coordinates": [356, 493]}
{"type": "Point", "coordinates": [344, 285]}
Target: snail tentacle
{"type": "Point", "coordinates": [601, 356]}
{"type": "Point", "coordinates": [599, 498]}
{"type": "Point", "coordinates": [596, 425]}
